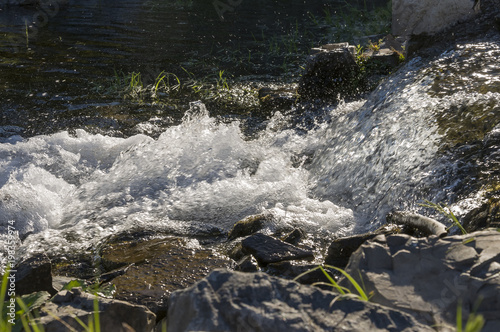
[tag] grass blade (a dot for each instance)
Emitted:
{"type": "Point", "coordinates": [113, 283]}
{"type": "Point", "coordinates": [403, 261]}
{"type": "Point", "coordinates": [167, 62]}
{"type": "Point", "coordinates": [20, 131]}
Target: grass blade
{"type": "Point", "coordinates": [359, 289]}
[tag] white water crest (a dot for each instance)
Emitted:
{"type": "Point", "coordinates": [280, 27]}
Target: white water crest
{"type": "Point", "coordinates": [67, 191]}
{"type": "Point", "coordinates": [72, 190]}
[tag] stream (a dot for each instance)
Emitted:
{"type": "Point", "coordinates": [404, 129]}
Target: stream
{"type": "Point", "coordinates": [77, 166]}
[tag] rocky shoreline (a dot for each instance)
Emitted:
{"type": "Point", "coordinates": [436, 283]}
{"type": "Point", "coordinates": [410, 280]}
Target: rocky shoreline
{"type": "Point", "coordinates": [242, 281]}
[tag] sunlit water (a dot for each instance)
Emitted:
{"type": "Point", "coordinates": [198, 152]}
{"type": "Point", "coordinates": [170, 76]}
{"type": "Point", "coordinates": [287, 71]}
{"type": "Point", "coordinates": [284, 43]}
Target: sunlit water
{"type": "Point", "coordinates": [66, 192]}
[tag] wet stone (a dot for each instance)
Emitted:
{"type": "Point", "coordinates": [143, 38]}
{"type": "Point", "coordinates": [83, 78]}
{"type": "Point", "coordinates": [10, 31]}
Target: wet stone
{"type": "Point", "coordinates": [248, 226]}
{"type": "Point", "coordinates": [160, 267]}
{"type": "Point", "coordinates": [247, 264]}
{"type": "Point", "coordinates": [485, 216]}
{"type": "Point", "coordinates": [267, 249]}
{"type": "Point", "coordinates": [34, 275]}
{"type": "Point", "coordinates": [330, 73]}
{"type": "Point", "coordinates": [295, 236]}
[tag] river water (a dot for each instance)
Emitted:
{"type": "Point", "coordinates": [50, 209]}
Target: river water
{"type": "Point", "coordinates": [64, 189]}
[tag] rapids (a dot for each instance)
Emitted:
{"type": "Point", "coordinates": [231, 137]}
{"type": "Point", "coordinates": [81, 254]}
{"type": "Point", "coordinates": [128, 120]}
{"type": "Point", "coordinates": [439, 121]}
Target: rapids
{"type": "Point", "coordinates": [66, 191]}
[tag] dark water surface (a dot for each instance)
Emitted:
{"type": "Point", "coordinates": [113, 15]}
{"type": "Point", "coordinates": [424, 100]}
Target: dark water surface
{"type": "Point", "coordinates": [53, 59]}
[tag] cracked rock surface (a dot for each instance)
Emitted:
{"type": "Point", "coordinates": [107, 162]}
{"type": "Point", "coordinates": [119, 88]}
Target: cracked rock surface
{"type": "Point", "coordinates": [429, 277]}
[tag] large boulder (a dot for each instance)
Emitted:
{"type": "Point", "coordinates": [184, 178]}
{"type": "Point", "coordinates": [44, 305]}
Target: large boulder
{"type": "Point", "coordinates": [429, 277]}
{"type": "Point", "coordinates": [413, 17]}
{"type": "Point", "coordinates": [236, 301]}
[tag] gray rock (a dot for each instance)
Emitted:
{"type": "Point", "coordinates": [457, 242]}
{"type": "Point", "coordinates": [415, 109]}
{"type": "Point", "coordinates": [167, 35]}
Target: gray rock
{"type": "Point", "coordinates": [235, 301]}
{"type": "Point", "coordinates": [427, 16]}
{"type": "Point", "coordinates": [33, 275]}
{"type": "Point", "coordinates": [114, 315]}
{"type": "Point", "coordinates": [427, 277]}
{"type": "Point", "coordinates": [384, 59]}
{"type": "Point", "coordinates": [267, 249]}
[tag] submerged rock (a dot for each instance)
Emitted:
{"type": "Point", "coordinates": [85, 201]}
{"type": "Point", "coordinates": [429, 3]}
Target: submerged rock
{"type": "Point", "coordinates": [114, 315]}
{"type": "Point", "coordinates": [295, 236]}
{"type": "Point", "coordinates": [267, 249]}
{"type": "Point", "coordinates": [429, 277]}
{"type": "Point", "coordinates": [235, 301]}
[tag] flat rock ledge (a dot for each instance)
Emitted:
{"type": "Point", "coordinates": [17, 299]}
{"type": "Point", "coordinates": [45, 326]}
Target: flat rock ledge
{"type": "Point", "coordinates": [429, 277]}
{"type": "Point", "coordinates": [234, 301]}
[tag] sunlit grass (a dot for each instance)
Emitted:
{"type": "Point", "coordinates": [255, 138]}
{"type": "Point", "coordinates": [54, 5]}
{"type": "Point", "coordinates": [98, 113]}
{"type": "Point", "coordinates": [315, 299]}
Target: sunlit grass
{"type": "Point", "coordinates": [343, 291]}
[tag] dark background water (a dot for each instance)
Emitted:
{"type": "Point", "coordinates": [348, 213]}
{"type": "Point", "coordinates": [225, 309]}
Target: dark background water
{"type": "Point", "coordinates": [53, 58]}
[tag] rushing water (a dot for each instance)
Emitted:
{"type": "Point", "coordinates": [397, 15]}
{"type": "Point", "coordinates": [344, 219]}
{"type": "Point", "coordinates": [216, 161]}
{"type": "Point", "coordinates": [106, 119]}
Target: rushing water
{"type": "Point", "coordinates": [65, 191]}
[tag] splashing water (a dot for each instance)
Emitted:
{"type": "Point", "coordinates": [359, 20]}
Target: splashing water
{"type": "Point", "coordinates": [67, 191]}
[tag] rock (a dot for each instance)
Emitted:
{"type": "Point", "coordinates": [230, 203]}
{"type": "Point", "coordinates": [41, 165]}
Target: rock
{"type": "Point", "coordinates": [424, 224]}
{"type": "Point", "coordinates": [248, 226]}
{"type": "Point", "coordinates": [290, 271]}
{"type": "Point", "coordinates": [114, 315]}
{"type": "Point", "coordinates": [392, 43]}
{"type": "Point", "coordinates": [247, 264]}
{"type": "Point", "coordinates": [330, 73]}
{"type": "Point", "coordinates": [295, 236]}
{"type": "Point", "coordinates": [78, 266]}
{"type": "Point", "coordinates": [413, 17]}
{"type": "Point", "coordinates": [160, 266]}
{"type": "Point", "coordinates": [58, 282]}
{"type": "Point", "coordinates": [340, 250]}
{"type": "Point", "coordinates": [427, 277]}
{"type": "Point", "coordinates": [383, 60]}
{"type": "Point", "coordinates": [485, 216]}
{"type": "Point", "coordinates": [236, 252]}
{"type": "Point", "coordinates": [417, 42]}
{"type": "Point", "coordinates": [267, 249]}
{"type": "Point", "coordinates": [235, 301]}
{"type": "Point", "coordinates": [34, 275]}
